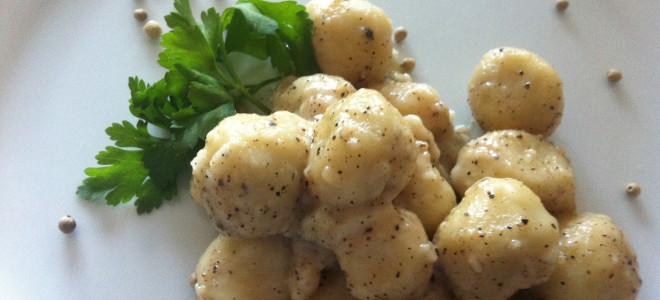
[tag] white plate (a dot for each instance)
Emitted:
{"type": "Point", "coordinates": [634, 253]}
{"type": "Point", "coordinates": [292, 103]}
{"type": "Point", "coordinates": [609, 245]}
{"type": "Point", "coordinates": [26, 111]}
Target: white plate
{"type": "Point", "coordinates": [64, 67]}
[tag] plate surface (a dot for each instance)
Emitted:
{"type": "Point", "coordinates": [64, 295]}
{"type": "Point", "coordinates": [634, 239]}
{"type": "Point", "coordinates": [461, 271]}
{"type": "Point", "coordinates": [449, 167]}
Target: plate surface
{"type": "Point", "coordinates": [63, 79]}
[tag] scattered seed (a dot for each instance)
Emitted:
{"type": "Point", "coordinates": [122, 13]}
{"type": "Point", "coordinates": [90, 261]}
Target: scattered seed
{"type": "Point", "coordinates": [614, 75]}
{"type": "Point", "coordinates": [400, 34]}
{"type": "Point", "coordinates": [633, 189]}
{"type": "Point", "coordinates": [140, 14]}
{"type": "Point", "coordinates": [153, 29]}
{"type": "Point", "coordinates": [561, 5]}
{"type": "Point", "coordinates": [67, 224]}
{"type": "Point", "coordinates": [408, 64]}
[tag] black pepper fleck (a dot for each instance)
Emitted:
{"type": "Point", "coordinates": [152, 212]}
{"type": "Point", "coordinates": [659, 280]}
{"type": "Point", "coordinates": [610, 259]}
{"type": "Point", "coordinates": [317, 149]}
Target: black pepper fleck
{"type": "Point", "coordinates": [368, 32]}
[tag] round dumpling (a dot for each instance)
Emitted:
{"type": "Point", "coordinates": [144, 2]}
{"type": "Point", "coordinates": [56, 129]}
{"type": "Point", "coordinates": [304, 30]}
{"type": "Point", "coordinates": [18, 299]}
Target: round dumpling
{"type": "Point", "coordinates": [499, 239]}
{"type": "Point", "coordinates": [391, 257]}
{"type": "Point", "coordinates": [517, 154]}
{"type": "Point", "coordinates": [516, 89]}
{"type": "Point", "coordinates": [249, 175]}
{"type": "Point", "coordinates": [428, 195]}
{"type": "Point", "coordinates": [309, 96]}
{"type": "Point", "coordinates": [244, 268]}
{"type": "Point", "coordinates": [420, 99]}
{"type": "Point", "coordinates": [351, 39]}
{"type": "Point", "coordinates": [595, 261]}
{"type": "Point", "coordinates": [362, 152]}
{"type": "Point", "coordinates": [424, 137]}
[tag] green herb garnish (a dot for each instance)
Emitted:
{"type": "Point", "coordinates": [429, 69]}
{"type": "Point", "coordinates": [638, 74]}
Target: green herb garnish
{"type": "Point", "coordinates": [201, 87]}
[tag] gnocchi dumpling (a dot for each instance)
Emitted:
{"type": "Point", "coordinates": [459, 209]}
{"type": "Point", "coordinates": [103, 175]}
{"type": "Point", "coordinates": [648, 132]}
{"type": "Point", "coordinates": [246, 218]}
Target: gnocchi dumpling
{"type": "Point", "coordinates": [351, 39]}
{"type": "Point", "coordinates": [428, 194]}
{"type": "Point", "coordinates": [595, 261]}
{"type": "Point", "coordinates": [517, 154]}
{"type": "Point", "coordinates": [516, 89]}
{"type": "Point", "coordinates": [249, 175]}
{"type": "Point", "coordinates": [362, 152]}
{"type": "Point", "coordinates": [499, 239]}
{"type": "Point", "coordinates": [244, 268]}
{"type": "Point", "coordinates": [362, 156]}
{"type": "Point", "coordinates": [420, 99]}
{"type": "Point", "coordinates": [424, 137]}
{"type": "Point", "coordinates": [309, 96]}
{"type": "Point", "coordinates": [391, 257]}
{"type": "Point", "coordinates": [382, 250]}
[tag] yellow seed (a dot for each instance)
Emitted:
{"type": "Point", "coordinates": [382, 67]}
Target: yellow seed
{"type": "Point", "coordinates": [400, 34]}
{"type": "Point", "coordinates": [561, 5]}
{"type": "Point", "coordinates": [408, 64]}
{"type": "Point", "coordinates": [633, 189]}
{"type": "Point", "coordinates": [614, 75]}
{"type": "Point", "coordinates": [153, 29]}
{"type": "Point", "coordinates": [67, 224]}
{"type": "Point", "coordinates": [140, 14]}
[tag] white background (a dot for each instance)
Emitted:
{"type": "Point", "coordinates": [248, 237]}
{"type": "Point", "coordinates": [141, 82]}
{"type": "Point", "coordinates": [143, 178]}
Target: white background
{"type": "Point", "coordinates": [64, 68]}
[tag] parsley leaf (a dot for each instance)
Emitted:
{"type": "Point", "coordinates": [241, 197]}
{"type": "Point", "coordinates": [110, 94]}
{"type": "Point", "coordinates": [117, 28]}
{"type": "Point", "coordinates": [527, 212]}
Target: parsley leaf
{"type": "Point", "coordinates": [200, 88]}
{"type": "Point", "coordinates": [293, 34]}
{"type": "Point", "coordinates": [123, 175]}
{"type": "Point", "coordinates": [281, 30]}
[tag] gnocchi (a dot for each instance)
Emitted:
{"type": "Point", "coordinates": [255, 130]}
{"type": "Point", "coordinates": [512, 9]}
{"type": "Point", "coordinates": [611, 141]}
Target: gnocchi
{"type": "Point", "coordinates": [310, 96]}
{"type": "Point", "coordinates": [543, 167]}
{"type": "Point", "coordinates": [363, 156]}
{"type": "Point", "coordinates": [516, 89]}
{"type": "Point", "coordinates": [359, 186]}
{"type": "Point", "coordinates": [428, 194]}
{"type": "Point", "coordinates": [227, 268]}
{"type": "Point", "coordinates": [391, 258]}
{"type": "Point", "coordinates": [498, 240]}
{"type": "Point", "coordinates": [351, 39]}
{"type": "Point", "coordinates": [362, 152]}
{"type": "Point", "coordinates": [595, 261]}
{"type": "Point", "coordinates": [249, 176]}
{"type": "Point", "coordinates": [422, 100]}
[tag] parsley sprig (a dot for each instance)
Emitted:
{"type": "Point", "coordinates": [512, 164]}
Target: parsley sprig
{"type": "Point", "coordinates": [201, 87]}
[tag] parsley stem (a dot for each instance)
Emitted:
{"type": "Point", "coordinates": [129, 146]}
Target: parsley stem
{"type": "Point", "coordinates": [222, 76]}
{"type": "Point", "coordinates": [253, 88]}
{"type": "Point", "coordinates": [230, 68]}
{"type": "Point", "coordinates": [235, 81]}
{"type": "Point", "coordinates": [253, 100]}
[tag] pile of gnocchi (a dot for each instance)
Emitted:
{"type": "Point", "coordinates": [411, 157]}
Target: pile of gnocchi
{"type": "Point", "coordinates": [359, 186]}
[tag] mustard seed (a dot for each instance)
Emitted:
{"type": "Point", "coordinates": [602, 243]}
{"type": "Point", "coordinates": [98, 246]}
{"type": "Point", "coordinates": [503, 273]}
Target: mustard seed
{"type": "Point", "coordinates": [633, 189]}
{"type": "Point", "coordinates": [408, 64]}
{"type": "Point", "coordinates": [67, 224]}
{"type": "Point", "coordinates": [140, 14]}
{"type": "Point", "coordinates": [153, 29]}
{"type": "Point", "coordinates": [400, 34]}
{"type": "Point", "coordinates": [614, 75]}
{"type": "Point", "coordinates": [561, 5]}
